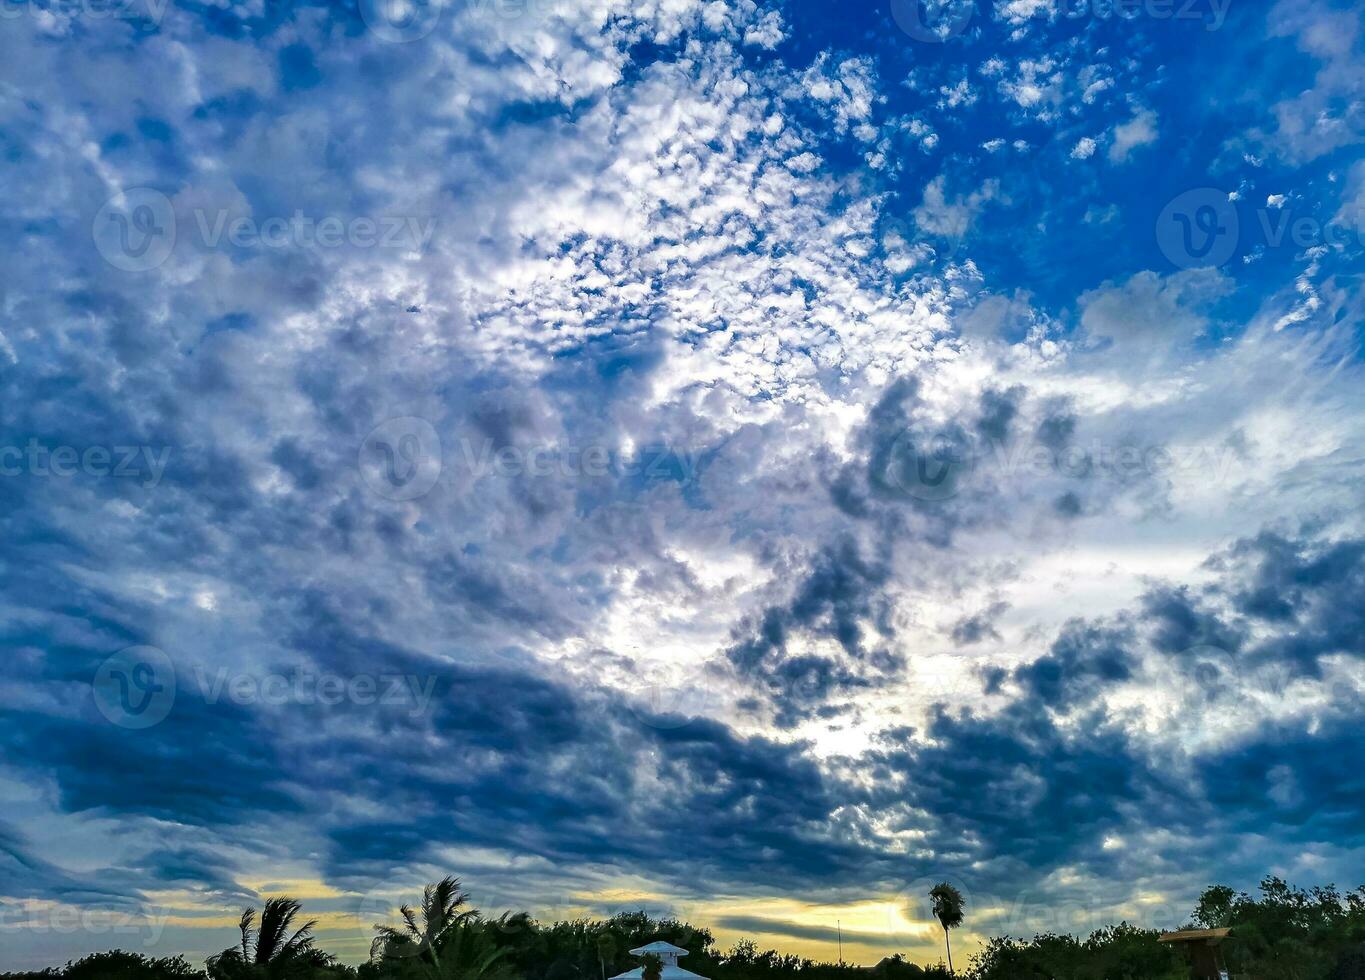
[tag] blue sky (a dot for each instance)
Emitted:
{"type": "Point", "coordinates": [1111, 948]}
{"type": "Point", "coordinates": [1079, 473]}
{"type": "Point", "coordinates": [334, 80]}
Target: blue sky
{"type": "Point", "coordinates": [744, 461]}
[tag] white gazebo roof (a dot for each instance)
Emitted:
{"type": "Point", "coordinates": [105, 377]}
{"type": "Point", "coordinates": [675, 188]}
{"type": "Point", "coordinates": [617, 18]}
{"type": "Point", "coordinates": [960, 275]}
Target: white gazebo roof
{"type": "Point", "coordinates": [668, 955]}
{"type": "Point", "coordinates": [659, 948]}
{"type": "Point", "coordinates": [669, 972]}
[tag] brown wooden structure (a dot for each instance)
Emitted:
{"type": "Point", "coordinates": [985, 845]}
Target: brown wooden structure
{"type": "Point", "coordinates": [1203, 951]}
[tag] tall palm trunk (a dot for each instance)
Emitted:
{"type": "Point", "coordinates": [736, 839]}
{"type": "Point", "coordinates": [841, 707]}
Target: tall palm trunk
{"type": "Point", "coordinates": [947, 943]}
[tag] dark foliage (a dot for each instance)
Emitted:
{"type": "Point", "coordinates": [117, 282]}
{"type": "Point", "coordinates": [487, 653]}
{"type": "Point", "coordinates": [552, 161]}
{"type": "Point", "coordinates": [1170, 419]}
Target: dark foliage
{"type": "Point", "coordinates": [117, 965]}
{"type": "Point", "coordinates": [1287, 933]}
{"type": "Point", "coordinates": [1116, 953]}
{"type": "Point", "coordinates": [1284, 932]}
{"type": "Point", "coordinates": [1351, 964]}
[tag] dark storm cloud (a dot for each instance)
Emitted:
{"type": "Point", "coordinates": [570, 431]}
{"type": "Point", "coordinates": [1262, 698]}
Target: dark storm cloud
{"type": "Point", "coordinates": [1179, 621]}
{"type": "Point", "coordinates": [899, 439]}
{"type": "Point", "coordinates": [552, 771]}
{"type": "Point", "coordinates": [1045, 780]}
{"type": "Point", "coordinates": [1016, 787]}
{"type": "Point", "coordinates": [998, 412]}
{"type": "Point", "coordinates": [840, 589]}
{"type": "Point", "coordinates": [198, 866]}
{"type": "Point", "coordinates": [160, 772]}
{"type": "Point", "coordinates": [513, 757]}
{"type": "Point", "coordinates": [509, 755]}
{"type": "Point", "coordinates": [1084, 660]}
{"type": "Point", "coordinates": [1309, 591]}
{"type": "Point", "coordinates": [979, 625]}
{"type": "Point", "coordinates": [1307, 785]}
{"type": "Point", "coordinates": [836, 595]}
{"type": "Point", "coordinates": [1057, 426]}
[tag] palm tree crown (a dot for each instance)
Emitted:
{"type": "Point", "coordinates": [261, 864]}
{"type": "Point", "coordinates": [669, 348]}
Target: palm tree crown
{"type": "Point", "coordinates": [946, 902]}
{"type": "Point", "coordinates": [442, 915]}
{"type": "Point", "coordinates": [275, 948]}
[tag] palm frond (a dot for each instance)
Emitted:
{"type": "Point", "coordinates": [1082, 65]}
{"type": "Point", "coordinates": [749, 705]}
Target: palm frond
{"type": "Point", "coordinates": [410, 917]}
{"type": "Point", "coordinates": [244, 924]}
{"type": "Point", "coordinates": [277, 919]}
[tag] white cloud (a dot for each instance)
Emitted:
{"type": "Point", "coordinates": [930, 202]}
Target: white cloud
{"type": "Point", "coordinates": [938, 215]}
{"type": "Point", "coordinates": [1138, 131]}
{"type": "Point", "coordinates": [1328, 114]}
{"type": "Point", "coordinates": [1084, 149]}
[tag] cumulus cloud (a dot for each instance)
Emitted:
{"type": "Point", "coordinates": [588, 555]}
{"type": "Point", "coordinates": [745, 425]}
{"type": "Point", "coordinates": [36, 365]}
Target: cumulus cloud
{"type": "Point", "coordinates": [1138, 131]}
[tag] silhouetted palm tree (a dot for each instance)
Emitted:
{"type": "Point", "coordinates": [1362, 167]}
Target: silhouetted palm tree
{"type": "Point", "coordinates": [606, 950]}
{"type": "Point", "coordinates": [469, 952]}
{"type": "Point", "coordinates": [947, 908]}
{"type": "Point", "coordinates": [274, 949]}
{"type": "Point", "coordinates": [450, 938]}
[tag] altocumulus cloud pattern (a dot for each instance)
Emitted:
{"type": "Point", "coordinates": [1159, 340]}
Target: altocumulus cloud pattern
{"type": "Point", "coordinates": [837, 447]}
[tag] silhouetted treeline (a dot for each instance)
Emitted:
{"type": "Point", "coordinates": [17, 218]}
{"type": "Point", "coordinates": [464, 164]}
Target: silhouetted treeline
{"type": "Point", "coordinates": [1282, 933]}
